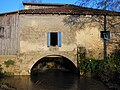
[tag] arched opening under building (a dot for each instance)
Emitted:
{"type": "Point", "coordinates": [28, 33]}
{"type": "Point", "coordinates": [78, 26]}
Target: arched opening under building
{"type": "Point", "coordinates": [53, 62]}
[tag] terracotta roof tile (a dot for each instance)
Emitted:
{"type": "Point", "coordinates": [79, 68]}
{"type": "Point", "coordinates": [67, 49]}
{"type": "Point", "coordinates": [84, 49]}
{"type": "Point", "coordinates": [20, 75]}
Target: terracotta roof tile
{"type": "Point", "coordinates": [66, 9]}
{"type": "Point", "coordinates": [42, 4]}
{"type": "Point", "coordinates": [45, 10]}
{"type": "Point", "coordinates": [69, 9]}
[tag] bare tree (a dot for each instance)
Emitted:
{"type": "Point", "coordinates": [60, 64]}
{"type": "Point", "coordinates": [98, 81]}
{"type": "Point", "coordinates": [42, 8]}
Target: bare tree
{"type": "Point", "coordinates": [101, 4]}
{"type": "Point", "coordinates": [112, 22]}
{"type": "Point", "coordinates": [113, 5]}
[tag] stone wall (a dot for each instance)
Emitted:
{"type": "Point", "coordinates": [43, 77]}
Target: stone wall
{"type": "Point", "coordinates": [33, 31]}
{"type": "Point", "coordinates": [34, 28]}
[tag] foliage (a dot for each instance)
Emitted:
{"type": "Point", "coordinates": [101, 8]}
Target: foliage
{"type": "Point", "coordinates": [99, 66]}
{"type": "Point", "coordinates": [0, 68]}
{"type": "Point", "coordinates": [1, 74]}
{"type": "Point", "coordinates": [51, 64]}
{"type": "Point", "coordinates": [89, 65]}
{"type": "Point", "coordinates": [9, 62]}
{"type": "Point", "coordinates": [116, 56]}
{"type": "Point", "coordinates": [107, 71]}
{"type": "Point", "coordinates": [115, 59]}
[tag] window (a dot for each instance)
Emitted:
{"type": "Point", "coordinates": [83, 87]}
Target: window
{"type": "Point", "coordinates": [1, 32]}
{"type": "Point", "coordinates": [54, 39]}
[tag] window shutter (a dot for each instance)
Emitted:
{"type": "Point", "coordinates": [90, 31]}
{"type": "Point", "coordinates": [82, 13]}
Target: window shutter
{"type": "Point", "coordinates": [59, 39]}
{"type": "Point", "coordinates": [48, 39]}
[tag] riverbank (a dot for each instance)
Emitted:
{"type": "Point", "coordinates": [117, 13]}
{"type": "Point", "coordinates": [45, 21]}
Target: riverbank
{"type": "Point", "coordinates": [111, 80]}
{"type": "Point", "coordinates": [107, 72]}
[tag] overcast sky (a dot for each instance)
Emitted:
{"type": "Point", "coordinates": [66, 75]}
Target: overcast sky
{"type": "Point", "coordinates": [13, 5]}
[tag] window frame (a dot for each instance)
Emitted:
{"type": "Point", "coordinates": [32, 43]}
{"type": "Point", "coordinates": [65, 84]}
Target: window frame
{"type": "Point", "coordinates": [59, 39]}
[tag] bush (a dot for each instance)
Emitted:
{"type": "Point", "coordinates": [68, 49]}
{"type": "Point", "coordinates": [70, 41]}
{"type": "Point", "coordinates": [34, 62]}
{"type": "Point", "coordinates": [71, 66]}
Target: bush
{"type": "Point", "coordinates": [89, 66]}
{"type": "Point", "coordinates": [100, 67]}
{"type": "Point", "coordinates": [51, 64]}
{"type": "Point", "coordinates": [1, 74]}
{"type": "Point", "coordinates": [9, 62]}
{"type": "Point", "coordinates": [107, 71]}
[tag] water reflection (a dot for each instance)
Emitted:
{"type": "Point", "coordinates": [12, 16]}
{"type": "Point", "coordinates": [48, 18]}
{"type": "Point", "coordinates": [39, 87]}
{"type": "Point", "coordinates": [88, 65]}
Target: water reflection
{"type": "Point", "coordinates": [54, 80]}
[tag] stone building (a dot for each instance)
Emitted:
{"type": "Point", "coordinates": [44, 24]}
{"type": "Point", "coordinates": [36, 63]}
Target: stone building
{"type": "Point", "coordinates": [43, 30]}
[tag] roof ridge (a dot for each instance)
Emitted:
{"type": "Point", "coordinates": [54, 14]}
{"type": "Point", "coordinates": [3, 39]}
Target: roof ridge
{"type": "Point", "coordinates": [66, 9]}
{"type": "Point", "coordinates": [40, 3]}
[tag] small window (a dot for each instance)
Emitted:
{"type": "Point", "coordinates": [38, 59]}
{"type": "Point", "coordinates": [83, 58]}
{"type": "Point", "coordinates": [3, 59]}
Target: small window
{"type": "Point", "coordinates": [1, 32]}
{"type": "Point", "coordinates": [54, 39]}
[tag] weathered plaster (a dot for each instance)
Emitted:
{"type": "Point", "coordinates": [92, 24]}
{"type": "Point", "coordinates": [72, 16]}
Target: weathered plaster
{"type": "Point", "coordinates": [32, 35]}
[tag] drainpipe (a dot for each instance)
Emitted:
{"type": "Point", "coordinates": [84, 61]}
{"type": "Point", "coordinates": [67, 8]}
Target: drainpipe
{"type": "Point", "coordinates": [78, 61]}
{"type": "Point", "coordinates": [105, 46]}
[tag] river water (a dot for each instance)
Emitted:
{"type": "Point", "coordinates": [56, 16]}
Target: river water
{"type": "Point", "coordinates": [54, 80]}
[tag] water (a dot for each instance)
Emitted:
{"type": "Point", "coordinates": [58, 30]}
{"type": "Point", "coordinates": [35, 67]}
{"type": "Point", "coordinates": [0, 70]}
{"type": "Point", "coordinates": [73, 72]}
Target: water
{"type": "Point", "coordinates": [54, 80]}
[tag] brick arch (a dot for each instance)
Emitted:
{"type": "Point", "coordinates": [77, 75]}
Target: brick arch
{"type": "Point", "coordinates": [36, 60]}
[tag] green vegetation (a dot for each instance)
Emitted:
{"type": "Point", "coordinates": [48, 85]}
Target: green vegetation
{"type": "Point", "coordinates": [107, 71]}
{"type": "Point", "coordinates": [9, 62]}
{"type": "Point", "coordinates": [89, 66]}
{"type": "Point", "coordinates": [51, 64]}
{"type": "Point", "coordinates": [1, 74]}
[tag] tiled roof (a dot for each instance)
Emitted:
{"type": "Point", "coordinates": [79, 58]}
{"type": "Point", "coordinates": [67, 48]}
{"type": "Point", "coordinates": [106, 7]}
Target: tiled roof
{"type": "Point", "coordinates": [46, 10]}
{"type": "Point", "coordinates": [42, 4]}
{"type": "Point", "coordinates": [69, 9]}
{"type": "Point", "coordinates": [66, 9]}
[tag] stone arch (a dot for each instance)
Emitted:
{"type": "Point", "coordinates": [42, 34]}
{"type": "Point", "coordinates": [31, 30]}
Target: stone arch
{"type": "Point", "coordinates": [68, 61]}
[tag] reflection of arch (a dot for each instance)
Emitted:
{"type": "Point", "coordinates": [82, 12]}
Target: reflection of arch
{"type": "Point", "coordinates": [55, 80]}
{"type": "Point", "coordinates": [66, 62]}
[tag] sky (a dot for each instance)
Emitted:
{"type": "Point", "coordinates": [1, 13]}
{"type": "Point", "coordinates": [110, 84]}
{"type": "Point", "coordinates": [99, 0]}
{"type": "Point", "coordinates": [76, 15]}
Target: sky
{"type": "Point", "coordinates": [14, 5]}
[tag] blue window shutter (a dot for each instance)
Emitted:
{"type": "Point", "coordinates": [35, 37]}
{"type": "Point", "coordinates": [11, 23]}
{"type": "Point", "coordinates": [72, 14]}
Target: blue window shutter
{"type": "Point", "coordinates": [48, 39]}
{"type": "Point", "coordinates": [59, 39]}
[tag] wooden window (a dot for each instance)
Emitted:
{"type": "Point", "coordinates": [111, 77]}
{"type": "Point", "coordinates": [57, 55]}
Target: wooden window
{"type": "Point", "coordinates": [54, 39]}
{"type": "Point", "coordinates": [59, 39]}
{"type": "Point", "coordinates": [2, 32]}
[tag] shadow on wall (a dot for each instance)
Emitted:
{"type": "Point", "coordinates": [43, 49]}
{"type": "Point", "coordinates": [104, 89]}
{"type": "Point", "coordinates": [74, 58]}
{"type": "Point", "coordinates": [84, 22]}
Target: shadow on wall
{"type": "Point", "coordinates": [112, 25]}
{"type": "Point", "coordinates": [79, 21]}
